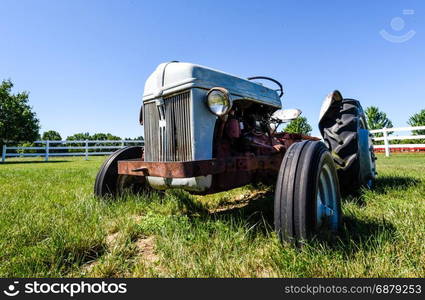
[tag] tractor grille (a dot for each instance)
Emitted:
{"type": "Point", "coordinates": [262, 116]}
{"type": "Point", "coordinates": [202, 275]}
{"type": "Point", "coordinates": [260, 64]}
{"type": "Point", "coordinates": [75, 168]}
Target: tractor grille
{"type": "Point", "coordinates": [168, 129]}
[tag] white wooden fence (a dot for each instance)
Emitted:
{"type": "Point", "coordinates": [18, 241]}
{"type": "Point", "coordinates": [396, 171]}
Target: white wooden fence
{"type": "Point", "coordinates": [388, 138]}
{"type": "Point", "coordinates": [99, 147]}
{"type": "Point", "coordinates": [50, 148]}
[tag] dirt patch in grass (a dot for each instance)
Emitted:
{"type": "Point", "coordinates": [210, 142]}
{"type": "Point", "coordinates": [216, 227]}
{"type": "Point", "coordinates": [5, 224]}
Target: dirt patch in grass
{"type": "Point", "coordinates": [146, 249]}
{"type": "Point", "coordinates": [239, 201]}
{"type": "Point", "coordinates": [111, 239]}
{"type": "Point", "coordinates": [148, 258]}
{"type": "Point", "coordinates": [88, 267]}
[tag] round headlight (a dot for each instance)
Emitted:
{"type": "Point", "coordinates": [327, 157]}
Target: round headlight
{"type": "Point", "coordinates": [218, 101]}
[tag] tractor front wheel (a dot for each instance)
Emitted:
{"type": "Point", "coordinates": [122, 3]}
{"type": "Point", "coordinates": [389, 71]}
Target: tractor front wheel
{"type": "Point", "coordinates": [111, 184]}
{"type": "Point", "coordinates": [307, 197]}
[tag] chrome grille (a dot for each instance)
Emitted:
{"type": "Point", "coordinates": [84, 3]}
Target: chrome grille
{"type": "Point", "coordinates": [167, 124]}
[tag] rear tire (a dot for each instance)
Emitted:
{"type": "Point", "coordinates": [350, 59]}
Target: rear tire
{"type": "Point", "coordinates": [348, 139]}
{"type": "Point", "coordinates": [307, 198]}
{"type": "Point", "coordinates": [111, 184]}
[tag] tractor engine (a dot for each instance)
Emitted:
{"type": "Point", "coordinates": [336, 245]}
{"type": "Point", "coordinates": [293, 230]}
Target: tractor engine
{"type": "Point", "coordinates": [246, 130]}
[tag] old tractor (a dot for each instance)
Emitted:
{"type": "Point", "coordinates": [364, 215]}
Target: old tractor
{"type": "Point", "coordinates": [207, 131]}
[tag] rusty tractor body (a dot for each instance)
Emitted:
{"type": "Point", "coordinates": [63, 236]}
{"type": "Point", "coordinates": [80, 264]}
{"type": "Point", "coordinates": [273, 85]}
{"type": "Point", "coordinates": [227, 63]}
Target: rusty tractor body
{"type": "Point", "coordinates": [207, 131]}
{"type": "Point", "coordinates": [216, 174]}
{"type": "Point", "coordinates": [188, 146]}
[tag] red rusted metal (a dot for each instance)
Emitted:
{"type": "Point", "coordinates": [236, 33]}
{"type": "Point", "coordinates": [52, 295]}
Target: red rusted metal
{"type": "Point", "coordinates": [170, 169]}
{"type": "Point", "coordinates": [196, 168]}
{"type": "Point", "coordinates": [240, 159]}
{"type": "Point", "coordinates": [233, 129]}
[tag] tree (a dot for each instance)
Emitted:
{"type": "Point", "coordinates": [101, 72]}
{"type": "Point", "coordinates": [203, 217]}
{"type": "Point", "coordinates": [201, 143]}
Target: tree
{"type": "Point", "coordinates": [94, 137]}
{"type": "Point", "coordinates": [51, 135]}
{"type": "Point", "coordinates": [377, 119]}
{"type": "Point", "coordinates": [18, 123]}
{"type": "Point", "coordinates": [104, 136]}
{"type": "Point", "coordinates": [137, 138]}
{"type": "Point", "coordinates": [299, 125]}
{"type": "Point", "coordinates": [417, 119]}
{"type": "Point", "coordinates": [79, 137]}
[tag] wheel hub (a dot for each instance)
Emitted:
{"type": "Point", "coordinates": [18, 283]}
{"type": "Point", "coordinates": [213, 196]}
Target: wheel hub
{"type": "Point", "coordinates": [326, 212]}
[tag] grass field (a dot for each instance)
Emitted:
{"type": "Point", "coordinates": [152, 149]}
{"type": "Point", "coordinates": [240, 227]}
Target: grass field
{"type": "Point", "coordinates": [51, 226]}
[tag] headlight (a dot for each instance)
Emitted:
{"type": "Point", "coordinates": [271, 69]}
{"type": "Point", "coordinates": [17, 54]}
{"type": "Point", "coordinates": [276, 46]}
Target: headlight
{"type": "Point", "coordinates": [218, 101]}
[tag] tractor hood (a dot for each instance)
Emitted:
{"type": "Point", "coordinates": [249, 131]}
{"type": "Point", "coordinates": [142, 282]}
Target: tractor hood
{"type": "Point", "coordinates": [172, 77]}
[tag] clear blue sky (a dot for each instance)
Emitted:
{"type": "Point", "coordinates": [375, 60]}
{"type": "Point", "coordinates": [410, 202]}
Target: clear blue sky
{"type": "Point", "coordinates": [85, 62]}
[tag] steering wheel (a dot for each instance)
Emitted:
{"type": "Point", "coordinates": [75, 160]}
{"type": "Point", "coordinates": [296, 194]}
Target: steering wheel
{"type": "Point", "coordinates": [280, 90]}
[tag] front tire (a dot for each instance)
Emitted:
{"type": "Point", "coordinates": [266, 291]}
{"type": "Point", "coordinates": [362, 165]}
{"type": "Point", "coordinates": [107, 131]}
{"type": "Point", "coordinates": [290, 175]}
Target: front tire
{"type": "Point", "coordinates": [111, 184]}
{"type": "Point", "coordinates": [307, 198]}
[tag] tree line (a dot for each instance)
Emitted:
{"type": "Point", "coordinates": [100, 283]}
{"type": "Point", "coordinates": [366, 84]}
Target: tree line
{"type": "Point", "coordinates": [53, 135]}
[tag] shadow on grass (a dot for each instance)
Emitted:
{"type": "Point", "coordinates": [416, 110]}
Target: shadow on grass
{"type": "Point", "coordinates": [32, 162]}
{"type": "Point", "coordinates": [255, 211]}
{"type": "Point", "coordinates": [382, 186]}
{"type": "Point", "coordinates": [79, 256]}
{"type": "Point", "coordinates": [257, 214]}
{"type": "Point", "coordinates": [386, 183]}
{"type": "Point", "coordinates": [358, 235]}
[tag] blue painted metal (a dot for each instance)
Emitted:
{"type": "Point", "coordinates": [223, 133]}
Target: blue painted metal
{"type": "Point", "coordinates": [172, 77]}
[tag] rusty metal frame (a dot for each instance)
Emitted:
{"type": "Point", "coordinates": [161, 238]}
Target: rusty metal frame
{"type": "Point", "coordinates": [186, 169]}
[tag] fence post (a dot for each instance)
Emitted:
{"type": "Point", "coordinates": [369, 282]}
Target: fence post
{"type": "Point", "coordinates": [386, 142]}
{"type": "Point", "coordinates": [87, 150]}
{"type": "Point", "coordinates": [122, 144]}
{"type": "Point", "coordinates": [46, 155]}
{"type": "Point", "coordinates": [3, 153]}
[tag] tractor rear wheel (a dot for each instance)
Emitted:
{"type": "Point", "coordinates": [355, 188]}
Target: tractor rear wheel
{"type": "Point", "coordinates": [307, 198]}
{"type": "Point", "coordinates": [111, 184]}
{"type": "Point", "coordinates": [348, 139]}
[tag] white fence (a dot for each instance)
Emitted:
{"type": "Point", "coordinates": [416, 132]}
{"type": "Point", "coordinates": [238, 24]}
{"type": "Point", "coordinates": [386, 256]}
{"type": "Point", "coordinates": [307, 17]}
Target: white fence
{"type": "Point", "coordinates": [101, 147]}
{"type": "Point", "coordinates": [388, 138]}
{"type": "Point", "coordinates": [50, 148]}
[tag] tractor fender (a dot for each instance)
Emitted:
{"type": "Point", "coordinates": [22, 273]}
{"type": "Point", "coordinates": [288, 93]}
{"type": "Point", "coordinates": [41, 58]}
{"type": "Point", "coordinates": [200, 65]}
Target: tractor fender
{"type": "Point", "coordinates": [329, 106]}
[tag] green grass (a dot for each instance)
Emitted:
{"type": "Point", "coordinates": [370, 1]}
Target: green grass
{"type": "Point", "coordinates": [51, 226]}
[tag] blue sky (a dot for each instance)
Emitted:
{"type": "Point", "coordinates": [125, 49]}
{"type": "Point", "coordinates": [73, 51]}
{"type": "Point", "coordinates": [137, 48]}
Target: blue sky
{"type": "Point", "coordinates": [85, 62]}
